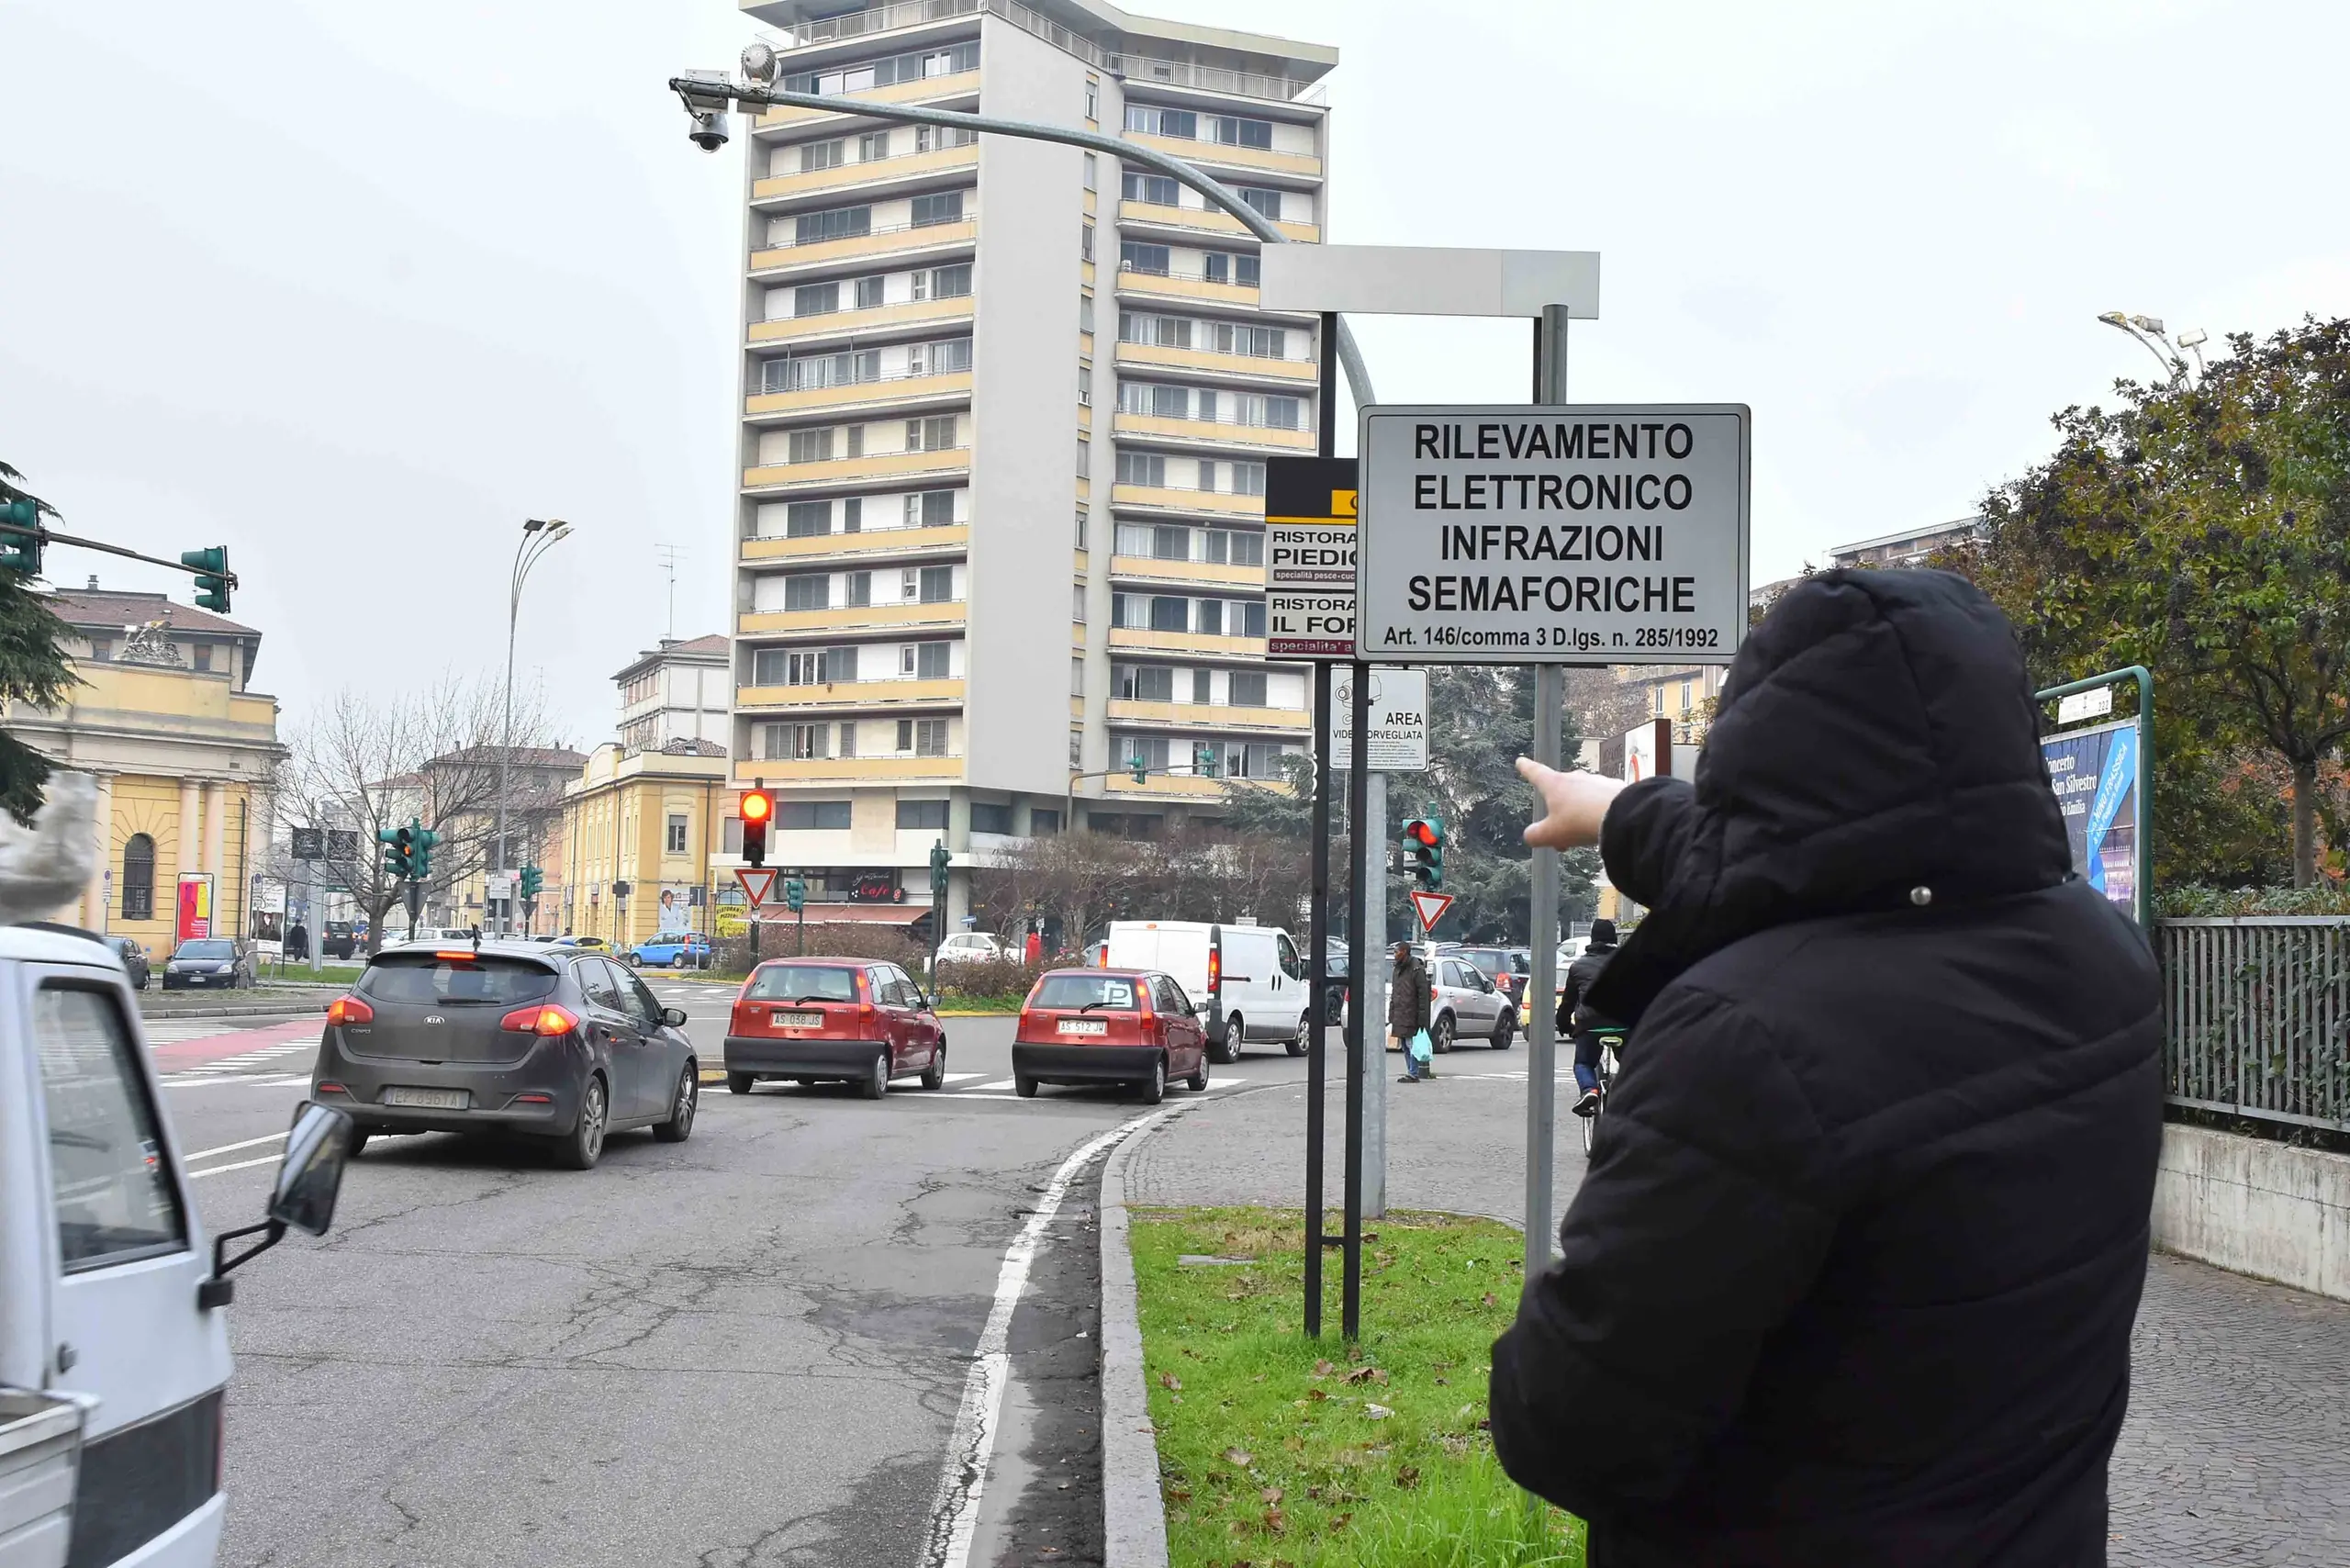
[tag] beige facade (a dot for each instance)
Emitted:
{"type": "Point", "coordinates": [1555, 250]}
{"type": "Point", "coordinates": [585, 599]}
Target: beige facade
{"type": "Point", "coordinates": [651, 822]}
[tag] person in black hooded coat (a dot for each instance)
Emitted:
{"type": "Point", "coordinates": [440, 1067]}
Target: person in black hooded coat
{"type": "Point", "coordinates": [1851, 1278]}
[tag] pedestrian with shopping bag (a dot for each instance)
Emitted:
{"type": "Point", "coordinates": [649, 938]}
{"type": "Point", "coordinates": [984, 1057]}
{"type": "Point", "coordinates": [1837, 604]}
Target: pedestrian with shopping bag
{"type": "Point", "coordinates": [1411, 1007]}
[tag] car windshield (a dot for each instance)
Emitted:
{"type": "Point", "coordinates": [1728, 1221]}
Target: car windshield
{"type": "Point", "coordinates": [485, 979]}
{"type": "Point", "coordinates": [207, 950]}
{"type": "Point", "coordinates": [803, 982]}
{"type": "Point", "coordinates": [1084, 991]}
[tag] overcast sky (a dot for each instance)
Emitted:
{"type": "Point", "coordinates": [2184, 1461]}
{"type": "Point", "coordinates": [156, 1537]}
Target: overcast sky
{"type": "Point", "coordinates": [355, 290]}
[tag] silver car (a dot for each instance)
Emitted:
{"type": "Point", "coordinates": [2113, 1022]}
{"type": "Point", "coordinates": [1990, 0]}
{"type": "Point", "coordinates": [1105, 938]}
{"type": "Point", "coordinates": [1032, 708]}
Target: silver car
{"type": "Point", "coordinates": [1467, 1005]}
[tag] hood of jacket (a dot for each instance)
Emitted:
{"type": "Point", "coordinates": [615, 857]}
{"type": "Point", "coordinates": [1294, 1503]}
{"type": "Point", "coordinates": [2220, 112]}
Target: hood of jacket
{"type": "Point", "coordinates": [1876, 735]}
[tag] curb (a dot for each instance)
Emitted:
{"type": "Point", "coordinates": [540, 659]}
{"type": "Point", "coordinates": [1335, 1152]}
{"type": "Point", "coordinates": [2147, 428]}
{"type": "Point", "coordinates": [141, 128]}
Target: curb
{"type": "Point", "coordinates": [1134, 1514]}
{"type": "Point", "coordinates": [284, 1010]}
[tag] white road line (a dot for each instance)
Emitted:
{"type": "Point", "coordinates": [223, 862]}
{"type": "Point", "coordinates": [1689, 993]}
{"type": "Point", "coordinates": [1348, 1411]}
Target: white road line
{"type": "Point", "coordinates": [232, 1148]}
{"type": "Point", "coordinates": [240, 1165]}
{"type": "Point", "coordinates": [961, 1077]}
{"type": "Point", "coordinates": [999, 1083]}
{"type": "Point", "coordinates": [955, 1513]}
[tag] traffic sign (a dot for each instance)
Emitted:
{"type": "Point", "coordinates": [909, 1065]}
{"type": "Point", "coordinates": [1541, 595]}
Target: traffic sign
{"type": "Point", "coordinates": [1430, 908]}
{"type": "Point", "coordinates": [1310, 557]}
{"type": "Point", "coordinates": [1518, 534]}
{"type": "Point", "coordinates": [758, 884]}
{"type": "Point", "coordinates": [309, 843]}
{"type": "Point", "coordinates": [1399, 720]}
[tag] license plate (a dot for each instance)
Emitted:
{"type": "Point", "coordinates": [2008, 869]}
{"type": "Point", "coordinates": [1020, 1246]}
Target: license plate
{"type": "Point", "coordinates": [795, 1019]}
{"type": "Point", "coordinates": [196, 979]}
{"type": "Point", "coordinates": [428, 1099]}
{"type": "Point", "coordinates": [1083, 1027]}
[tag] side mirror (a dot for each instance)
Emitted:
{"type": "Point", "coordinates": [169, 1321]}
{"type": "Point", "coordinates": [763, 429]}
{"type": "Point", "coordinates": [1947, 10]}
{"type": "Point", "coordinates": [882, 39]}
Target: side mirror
{"type": "Point", "coordinates": [308, 1180]}
{"type": "Point", "coordinates": [674, 1016]}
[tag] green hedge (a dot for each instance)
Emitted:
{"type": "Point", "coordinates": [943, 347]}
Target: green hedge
{"type": "Point", "coordinates": [2193, 902]}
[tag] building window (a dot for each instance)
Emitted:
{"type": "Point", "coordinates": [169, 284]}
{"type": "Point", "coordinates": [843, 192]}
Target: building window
{"type": "Point", "coordinates": [1043, 822]}
{"type": "Point", "coordinates": [1084, 459]}
{"type": "Point", "coordinates": [1077, 605]}
{"type": "Point", "coordinates": [1158, 190]}
{"type": "Point", "coordinates": [936, 137]}
{"type": "Point", "coordinates": [871, 293]}
{"type": "Point", "coordinates": [816, 300]}
{"type": "Point", "coordinates": [988, 818]}
{"type": "Point", "coordinates": [139, 878]}
{"type": "Point", "coordinates": [1211, 616]}
{"type": "Point", "coordinates": [1268, 201]}
{"type": "Point", "coordinates": [1150, 259]}
{"type": "Point", "coordinates": [1085, 312]}
{"type": "Point", "coordinates": [810, 447]}
{"type": "Point", "coordinates": [201, 655]}
{"type": "Point", "coordinates": [804, 816]}
{"type": "Point", "coordinates": [1657, 692]}
{"type": "Point", "coordinates": [1150, 121]}
{"type": "Point", "coordinates": [923, 737]}
{"type": "Point", "coordinates": [922, 816]}
{"type": "Point", "coordinates": [950, 283]}
{"type": "Point", "coordinates": [1171, 614]}
{"type": "Point", "coordinates": [807, 590]}
{"type": "Point", "coordinates": [1221, 266]}
{"type": "Point", "coordinates": [1249, 618]}
{"type": "Point", "coordinates": [1142, 468]}
{"type": "Point", "coordinates": [1232, 130]}
{"type": "Point", "coordinates": [932, 660]}
{"type": "Point", "coordinates": [102, 648]}
{"type": "Point", "coordinates": [730, 837]}
{"type": "Point", "coordinates": [1202, 683]}
{"type": "Point", "coordinates": [1081, 528]}
{"type": "Point", "coordinates": [676, 835]}
{"type": "Point", "coordinates": [1092, 112]}
{"type": "Point", "coordinates": [1154, 683]}
{"type": "Point", "coordinates": [947, 206]}
{"type": "Point", "coordinates": [805, 519]}
{"type": "Point", "coordinates": [873, 146]}
{"type": "Point", "coordinates": [816, 155]}
{"type": "Point", "coordinates": [935, 434]}
{"type": "Point", "coordinates": [861, 589]}
{"type": "Point", "coordinates": [930, 509]}
{"type": "Point", "coordinates": [1077, 677]}
{"type": "Point", "coordinates": [1249, 689]}
{"type": "Point", "coordinates": [1085, 241]}
{"type": "Point", "coordinates": [838, 223]}
{"type": "Point", "coordinates": [1084, 387]}
{"type": "Point", "coordinates": [848, 738]}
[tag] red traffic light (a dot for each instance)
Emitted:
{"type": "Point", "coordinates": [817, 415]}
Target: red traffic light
{"type": "Point", "coordinates": [758, 806]}
{"type": "Point", "coordinates": [1420, 833]}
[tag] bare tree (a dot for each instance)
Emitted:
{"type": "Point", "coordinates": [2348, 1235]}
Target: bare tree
{"type": "Point", "coordinates": [1087, 878]}
{"type": "Point", "coordinates": [430, 757]}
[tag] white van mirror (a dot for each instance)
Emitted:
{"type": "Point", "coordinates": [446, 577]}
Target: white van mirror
{"type": "Point", "coordinates": [309, 1178]}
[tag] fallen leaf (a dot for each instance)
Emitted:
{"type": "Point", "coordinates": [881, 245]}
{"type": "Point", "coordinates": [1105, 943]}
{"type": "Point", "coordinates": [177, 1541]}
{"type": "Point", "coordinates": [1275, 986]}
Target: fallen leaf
{"type": "Point", "coordinates": [1271, 1494]}
{"type": "Point", "coordinates": [1491, 1300]}
{"type": "Point", "coordinates": [1376, 1412]}
{"type": "Point", "coordinates": [1258, 1378]}
{"type": "Point", "coordinates": [1314, 1394]}
{"type": "Point", "coordinates": [1179, 1493]}
{"type": "Point", "coordinates": [1300, 1403]}
{"type": "Point", "coordinates": [1169, 1380]}
{"type": "Point", "coordinates": [1275, 1520]}
{"type": "Point", "coordinates": [1323, 1369]}
{"type": "Point", "coordinates": [1294, 1445]}
{"type": "Point", "coordinates": [1340, 1521]}
{"type": "Point", "coordinates": [1366, 1374]}
{"type": "Point", "coordinates": [1443, 1382]}
{"type": "Point", "coordinates": [1464, 1412]}
{"type": "Point", "coordinates": [1408, 1477]}
{"type": "Point", "coordinates": [1240, 1457]}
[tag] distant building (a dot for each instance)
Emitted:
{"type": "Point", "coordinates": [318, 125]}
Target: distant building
{"type": "Point", "coordinates": [637, 828]}
{"type": "Point", "coordinates": [1909, 549]}
{"type": "Point", "coordinates": [679, 691]}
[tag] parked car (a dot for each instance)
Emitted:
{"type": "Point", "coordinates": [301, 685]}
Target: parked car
{"type": "Point", "coordinates": [589, 944]}
{"type": "Point", "coordinates": [510, 1037]}
{"type": "Point", "coordinates": [209, 963]}
{"type": "Point", "coordinates": [437, 936]}
{"type": "Point", "coordinates": [1507, 967]}
{"type": "Point", "coordinates": [1247, 982]}
{"type": "Point", "coordinates": [1464, 1005]}
{"type": "Point", "coordinates": [968, 946]}
{"type": "Point", "coordinates": [679, 950]}
{"type": "Point", "coordinates": [1125, 1026]}
{"type": "Point", "coordinates": [832, 1021]}
{"type": "Point", "coordinates": [1339, 960]}
{"type": "Point", "coordinates": [135, 967]}
{"type": "Point", "coordinates": [341, 940]}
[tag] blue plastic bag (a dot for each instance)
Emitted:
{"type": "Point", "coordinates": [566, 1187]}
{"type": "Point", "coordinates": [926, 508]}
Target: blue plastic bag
{"type": "Point", "coordinates": [1423, 1048]}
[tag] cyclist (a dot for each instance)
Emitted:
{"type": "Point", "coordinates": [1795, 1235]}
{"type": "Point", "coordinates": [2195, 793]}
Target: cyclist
{"type": "Point", "coordinates": [1575, 1013]}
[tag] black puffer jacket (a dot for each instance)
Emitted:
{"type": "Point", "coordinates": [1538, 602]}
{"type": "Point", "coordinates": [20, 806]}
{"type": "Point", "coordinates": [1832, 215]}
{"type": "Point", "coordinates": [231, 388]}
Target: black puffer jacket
{"type": "Point", "coordinates": [1575, 1012]}
{"type": "Point", "coordinates": [1852, 1276]}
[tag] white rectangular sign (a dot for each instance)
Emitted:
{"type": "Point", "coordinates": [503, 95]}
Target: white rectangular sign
{"type": "Point", "coordinates": [2095, 703]}
{"type": "Point", "coordinates": [1399, 720]}
{"type": "Point", "coordinates": [1524, 534]}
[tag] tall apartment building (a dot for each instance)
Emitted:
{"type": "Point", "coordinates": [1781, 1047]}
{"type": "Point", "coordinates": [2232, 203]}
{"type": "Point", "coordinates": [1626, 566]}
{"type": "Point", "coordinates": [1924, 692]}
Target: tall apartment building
{"type": "Point", "coordinates": [1006, 410]}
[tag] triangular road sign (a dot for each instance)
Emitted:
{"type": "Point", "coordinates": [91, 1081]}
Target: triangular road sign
{"type": "Point", "coordinates": [1430, 908]}
{"type": "Point", "coordinates": [759, 885]}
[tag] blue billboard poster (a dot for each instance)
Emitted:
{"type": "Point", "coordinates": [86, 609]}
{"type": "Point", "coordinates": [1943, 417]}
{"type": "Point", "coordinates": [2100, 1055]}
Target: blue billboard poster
{"type": "Point", "coordinates": [2094, 775]}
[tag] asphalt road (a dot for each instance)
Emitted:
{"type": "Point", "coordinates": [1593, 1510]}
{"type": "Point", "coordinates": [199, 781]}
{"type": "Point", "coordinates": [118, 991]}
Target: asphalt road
{"type": "Point", "coordinates": [749, 1349]}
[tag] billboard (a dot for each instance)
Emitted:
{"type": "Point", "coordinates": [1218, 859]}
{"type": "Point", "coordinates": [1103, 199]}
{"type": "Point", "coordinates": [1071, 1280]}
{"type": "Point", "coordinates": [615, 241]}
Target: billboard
{"type": "Point", "coordinates": [676, 916]}
{"type": "Point", "coordinates": [195, 908]}
{"type": "Point", "coordinates": [2094, 775]}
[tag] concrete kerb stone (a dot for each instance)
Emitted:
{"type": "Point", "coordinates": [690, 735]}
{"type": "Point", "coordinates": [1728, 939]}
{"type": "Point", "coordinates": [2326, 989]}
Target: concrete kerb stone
{"type": "Point", "coordinates": [288, 1011]}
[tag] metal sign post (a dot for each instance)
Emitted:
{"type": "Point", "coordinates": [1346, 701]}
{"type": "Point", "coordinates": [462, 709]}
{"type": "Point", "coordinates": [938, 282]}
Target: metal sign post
{"type": "Point", "coordinates": [2104, 780]}
{"type": "Point", "coordinates": [1358, 1037]}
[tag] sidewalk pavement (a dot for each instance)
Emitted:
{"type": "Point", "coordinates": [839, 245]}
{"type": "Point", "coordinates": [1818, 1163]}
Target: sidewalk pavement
{"type": "Point", "coordinates": [2237, 1447]}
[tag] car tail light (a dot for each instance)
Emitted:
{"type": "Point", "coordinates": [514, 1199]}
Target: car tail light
{"type": "Point", "coordinates": [348, 1010]}
{"type": "Point", "coordinates": [543, 1019]}
{"type": "Point", "coordinates": [1141, 1001]}
{"type": "Point", "coordinates": [333, 1089]}
{"type": "Point", "coordinates": [1215, 968]}
{"type": "Point", "coordinates": [535, 1099]}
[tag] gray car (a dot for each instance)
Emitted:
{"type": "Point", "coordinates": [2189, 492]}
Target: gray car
{"type": "Point", "coordinates": [506, 1037]}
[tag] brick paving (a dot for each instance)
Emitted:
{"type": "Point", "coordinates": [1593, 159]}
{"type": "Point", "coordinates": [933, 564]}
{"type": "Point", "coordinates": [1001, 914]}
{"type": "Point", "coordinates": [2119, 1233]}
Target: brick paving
{"type": "Point", "coordinates": [2237, 1447]}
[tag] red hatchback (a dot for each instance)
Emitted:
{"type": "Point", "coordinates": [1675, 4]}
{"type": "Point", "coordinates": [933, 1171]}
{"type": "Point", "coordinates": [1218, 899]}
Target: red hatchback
{"type": "Point", "coordinates": [1131, 1027]}
{"type": "Point", "coordinates": [832, 1020]}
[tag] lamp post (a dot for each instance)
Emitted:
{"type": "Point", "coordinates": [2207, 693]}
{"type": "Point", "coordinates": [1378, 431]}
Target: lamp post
{"type": "Point", "coordinates": [2148, 331]}
{"type": "Point", "coordinates": [540, 534]}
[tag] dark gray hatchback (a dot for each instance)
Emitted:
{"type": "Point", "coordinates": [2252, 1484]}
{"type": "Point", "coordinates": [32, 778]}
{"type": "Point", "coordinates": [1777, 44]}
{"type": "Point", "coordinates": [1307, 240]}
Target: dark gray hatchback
{"type": "Point", "coordinates": [507, 1038]}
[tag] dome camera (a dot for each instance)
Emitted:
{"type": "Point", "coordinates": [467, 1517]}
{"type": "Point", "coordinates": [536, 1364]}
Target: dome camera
{"type": "Point", "coordinates": [710, 130]}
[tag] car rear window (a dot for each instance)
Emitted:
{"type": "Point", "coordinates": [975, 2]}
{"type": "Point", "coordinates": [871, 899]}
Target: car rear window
{"type": "Point", "coordinates": [478, 977]}
{"type": "Point", "coordinates": [804, 983]}
{"type": "Point", "coordinates": [1085, 991]}
{"type": "Point", "coordinates": [1495, 965]}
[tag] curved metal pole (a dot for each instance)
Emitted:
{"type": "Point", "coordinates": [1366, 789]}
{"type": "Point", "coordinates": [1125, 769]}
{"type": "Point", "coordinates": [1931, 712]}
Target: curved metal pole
{"type": "Point", "coordinates": [534, 544]}
{"type": "Point", "coordinates": [750, 99]}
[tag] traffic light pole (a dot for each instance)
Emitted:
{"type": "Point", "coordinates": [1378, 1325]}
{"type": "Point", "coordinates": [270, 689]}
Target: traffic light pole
{"type": "Point", "coordinates": [1358, 1036]}
{"type": "Point", "coordinates": [42, 537]}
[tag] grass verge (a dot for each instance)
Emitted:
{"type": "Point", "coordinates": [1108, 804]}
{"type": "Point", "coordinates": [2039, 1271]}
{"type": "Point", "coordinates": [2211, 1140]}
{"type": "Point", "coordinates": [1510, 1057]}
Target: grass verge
{"type": "Point", "coordinates": [1280, 1452]}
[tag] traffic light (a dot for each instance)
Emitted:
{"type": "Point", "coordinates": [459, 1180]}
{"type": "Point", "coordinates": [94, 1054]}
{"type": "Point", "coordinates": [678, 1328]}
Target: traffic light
{"type": "Point", "coordinates": [534, 881]}
{"type": "Point", "coordinates": [795, 895]}
{"type": "Point", "coordinates": [422, 838]}
{"type": "Point", "coordinates": [1203, 761]}
{"type": "Point", "coordinates": [400, 853]}
{"type": "Point", "coordinates": [939, 860]}
{"type": "Point", "coordinates": [1423, 850]}
{"type": "Point", "coordinates": [211, 576]}
{"type": "Point", "coordinates": [1138, 767]}
{"type": "Point", "coordinates": [756, 808]}
{"type": "Point", "coordinates": [20, 552]}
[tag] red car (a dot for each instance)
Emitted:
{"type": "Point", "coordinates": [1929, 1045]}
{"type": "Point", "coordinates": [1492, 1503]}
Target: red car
{"type": "Point", "coordinates": [1130, 1026]}
{"type": "Point", "coordinates": [832, 1020]}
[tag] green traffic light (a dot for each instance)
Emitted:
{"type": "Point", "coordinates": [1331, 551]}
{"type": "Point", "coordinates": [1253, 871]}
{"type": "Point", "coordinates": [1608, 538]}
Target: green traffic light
{"type": "Point", "coordinates": [20, 552]}
{"type": "Point", "coordinates": [212, 576]}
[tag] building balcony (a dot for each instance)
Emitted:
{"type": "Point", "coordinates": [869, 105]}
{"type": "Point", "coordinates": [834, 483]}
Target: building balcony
{"type": "Point", "coordinates": [1194, 221]}
{"type": "Point", "coordinates": [930, 89]}
{"type": "Point", "coordinates": [869, 544]}
{"type": "Point", "coordinates": [850, 695]}
{"type": "Point", "coordinates": [858, 618]}
{"type": "Point", "coordinates": [876, 175]}
{"type": "Point", "coordinates": [1221, 155]}
{"type": "Point", "coordinates": [850, 770]}
{"type": "Point", "coordinates": [1251, 367]}
{"type": "Point", "coordinates": [954, 462]}
{"type": "Point", "coordinates": [1151, 570]}
{"type": "Point", "coordinates": [861, 398]}
{"type": "Point", "coordinates": [1212, 718]}
{"type": "Point", "coordinates": [1182, 786]}
{"type": "Point", "coordinates": [864, 326]}
{"type": "Point", "coordinates": [1213, 433]}
{"type": "Point", "coordinates": [1145, 640]}
{"type": "Point", "coordinates": [897, 241]}
{"type": "Point", "coordinates": [1175, 499]}
{"type": "Point", "coordinates": [1189, 287]}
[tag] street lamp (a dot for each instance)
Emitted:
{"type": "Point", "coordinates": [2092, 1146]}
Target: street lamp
{"type": "Point", "coordinates": [2148, 331]}
{"type": "Point", "coordinates": [540, 534]}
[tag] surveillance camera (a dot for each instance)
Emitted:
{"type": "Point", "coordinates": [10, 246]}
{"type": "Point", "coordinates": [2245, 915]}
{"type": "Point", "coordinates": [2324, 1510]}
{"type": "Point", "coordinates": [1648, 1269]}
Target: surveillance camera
{"type": "Point", "coordinates": [710, 130]}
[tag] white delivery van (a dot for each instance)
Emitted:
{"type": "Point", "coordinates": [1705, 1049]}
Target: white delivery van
{"type": "Point", "coordinates": [113, 1355]}
{"type": "Point", "coordinates": [1249, 980]}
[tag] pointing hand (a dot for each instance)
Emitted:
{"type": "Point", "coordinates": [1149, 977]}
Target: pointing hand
{"type": "Point", "coordinates": [1574, 802]}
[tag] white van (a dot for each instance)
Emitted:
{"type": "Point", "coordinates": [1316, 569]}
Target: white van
{"type": "Point", "coordinates": [1250, 979]}
{"type": "Point", "coordinates": [109, 1302]}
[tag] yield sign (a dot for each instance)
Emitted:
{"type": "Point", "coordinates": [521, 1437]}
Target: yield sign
{"type": "Point", "coordinates": [758, 885]}
{"type": "Point", "coordinates": [1430, 908]}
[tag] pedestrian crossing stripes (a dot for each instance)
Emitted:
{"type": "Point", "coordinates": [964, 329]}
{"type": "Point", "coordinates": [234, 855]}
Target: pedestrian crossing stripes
{"type": "Point", "coordinates": [248, 1062]}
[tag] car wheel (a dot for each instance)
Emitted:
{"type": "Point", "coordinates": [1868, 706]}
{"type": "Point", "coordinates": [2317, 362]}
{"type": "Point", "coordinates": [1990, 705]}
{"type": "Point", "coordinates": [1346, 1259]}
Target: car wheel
{"type": "Point", "coordinates": [875, 1083]}
{"type": "Point", "coordinates": [1504, 1031]}
{"type": "Point", "coordinates": [1229, 1051]}
{"type": "Point", "coordinates": [1023, 1086]}
{"type": "Point", "coordinates": [738, 1082]}
{"type": "Point", "coordinates": [584, 1144]}
{"type": "Point", "coordinates": [1441, 1036]}
{"type": "Point", "coordinates": [1298, 1044]}
{"type": "Point", "coordinates": [358, 1141]}
{"type": "Point", "coordinates": [681, 1125]}
{"type": "Point", "coordinates": [1152, 1090]}
{"type": "Point", "coordinates": [935, 1075]}
{"type": "Point", "coordinates": [1199, 1080]}
{"type": "Point", "coordinates": [1333, 1011]}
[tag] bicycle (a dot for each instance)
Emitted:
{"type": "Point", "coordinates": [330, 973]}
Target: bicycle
{"type": "Point", "coordinates": [1611, 1042]}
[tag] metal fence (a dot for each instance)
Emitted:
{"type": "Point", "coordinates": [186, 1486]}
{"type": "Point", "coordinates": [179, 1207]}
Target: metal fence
{"type": "Point", "coordinates": [2256, 1016]}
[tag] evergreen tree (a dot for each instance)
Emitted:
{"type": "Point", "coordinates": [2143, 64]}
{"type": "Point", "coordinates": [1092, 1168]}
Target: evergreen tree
{"type": "Point", "coordinates": [32, 667]}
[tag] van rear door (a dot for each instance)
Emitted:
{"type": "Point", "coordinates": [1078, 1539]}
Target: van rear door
{"type": "Point", "coordinates": [125, 1256]}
